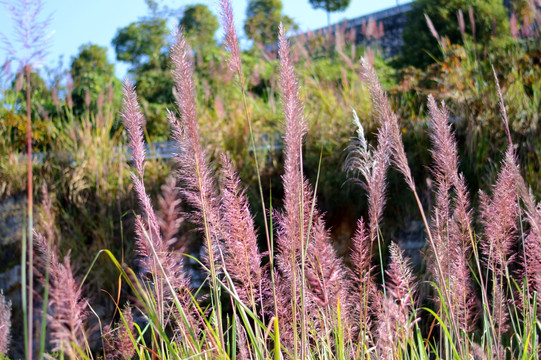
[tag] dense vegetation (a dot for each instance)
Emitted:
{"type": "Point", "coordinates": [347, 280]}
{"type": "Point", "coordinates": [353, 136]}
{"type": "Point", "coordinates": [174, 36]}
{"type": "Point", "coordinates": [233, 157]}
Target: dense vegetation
{"type": "Point", "coordinates": [289, 270]}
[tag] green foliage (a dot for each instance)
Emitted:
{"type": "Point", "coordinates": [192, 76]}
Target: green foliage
{"type": "Point", "coordinates": [13, 111]}
{"type": "Point", "coordinates": [465, 81]}
{"type": "Point", "coordinates": [420, 46]}
{"type": "Point", "coordinates": [144, 45]}
{"type": "Point", "coordinates": [199, 25]}
{"type": "Point", "coordinates": [91, 72]}
{"type": "Point", "coordinates": [141, 42]}
{"type": "Point", "coordinates": [262, 20]}
{"type": "Point", "coordinates": [330, 6]}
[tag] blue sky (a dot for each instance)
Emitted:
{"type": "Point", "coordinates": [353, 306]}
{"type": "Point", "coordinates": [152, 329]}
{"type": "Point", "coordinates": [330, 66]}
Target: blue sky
{"type": "Point", "coordinates": [76, 22]}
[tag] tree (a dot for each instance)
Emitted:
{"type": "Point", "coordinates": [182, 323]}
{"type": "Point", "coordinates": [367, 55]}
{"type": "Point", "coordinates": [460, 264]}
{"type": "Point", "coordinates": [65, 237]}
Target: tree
{"type": "Point", "coordinates": [141, 42]}
{"type": "Point", "coordinates": [262, 20]}
{"type": "Point", "coordinates": [144, 44]}
{"type": "Point", "coordinates": [91, 72]}
{"type": "Point", "coordinates": [330, 6]}
{"type": "Point", "coordinates": [199, 24]}
{"type": "Point", "coordinates": [420, 46]}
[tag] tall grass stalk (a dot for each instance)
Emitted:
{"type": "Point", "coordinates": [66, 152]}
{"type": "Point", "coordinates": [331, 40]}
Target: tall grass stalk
{"type": "Point", "coordinates": [32, 37]}
{"type": "Point", "coordinates": [235, 65]}
{"type": "Point", "coordinates": [387, 116]}
{"type": "Point", "coordinates": [30, 212]}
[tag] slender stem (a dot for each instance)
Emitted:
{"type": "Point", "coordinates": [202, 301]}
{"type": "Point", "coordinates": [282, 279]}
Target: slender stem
{"type": "Point", "coordinates": [30, 193]}
{"type": "Point", "coordinates": [303, 252]}
{"type": "Point", "coordinates": [212, 264]}
{"type": "Point", "coordinates": [380, 260]}
{"type": "Point", "coordinates": [23, 287]}
{"type": "Point", "coordinates": [484, 294]}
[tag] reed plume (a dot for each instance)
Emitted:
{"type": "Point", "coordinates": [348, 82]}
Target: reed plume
{"type": "Point", "coordinates": [285, 301]}
{"type": "Point", "coordinates": [241, 253]}
{"type": "Point", "coordinates": [195, 175]}
{"type": "Point", "coordinates": [294, 220]}
{"type": "Point", "coordinates": [231, 41]}
{"type": "Point", "coordinates": [531, 256]}
{"type": "Point", "coordinates": [169, 216]}
{"type": "Point", "coordinates": [30, 31]}
{"type": "Point", "coordinates": [372, 164]}
{"type": "Point", "coordinates": [67, 306]}
{"type": "Point", "coordinates": [441, 219]}
{"type": "Point", "coordinates": [235, 65]}
{"type": "Point", "coordinates": [463, 298]}
{"type": "Point", "coordinates": [401, 284]}
{"type": "Point", "coordinates": [118, 343]}
{"type": "Point", "coordinates": [149, 241]}
{"type": "Point", "coordinates": [387, 118]}
{"type": "Point", "coordinates": [363, 285]}
{"type": "Point", "coordinates": [444, 150]}
{"type": "Point", "coordinates": [244, 352]}
{"type": "Point", "coordinates": [531, 259]}
{"type": "Point", "coordinates": [325, 273]}
{"type": "Point", "coordinates": [194, 172]}
{"type": "Point", "coordinates": [292, 224]}
{"type": "Point", "coordinates": [327, 286]}
{"type": "Point", "coordinates": [297, 217]}
{"type": "Point", "coordinates": [499, 216]}
{"type": "Point", "coordinates": [387, 330]}
{"type": "Point", "coordinates": [397, 317]}
{"type": "Point", "coordinates": [451, 220]}
{"type": "Point", "coordinates": [432, 28]}
{"type": "Point", "coordinates": [165, 267]}
{"type": "Point", "coordinates": [133, 120]}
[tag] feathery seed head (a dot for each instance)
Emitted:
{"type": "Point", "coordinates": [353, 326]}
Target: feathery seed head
{"type": "Point", "coordinates": [388, 120]}
{"type": "Point", "coordinates": [133, 121]}
{"type": "Point", "coordinates": [500, 215]}
{"type": "Point", "coordinates": [30, 32]}
{"type": "Point", "coordinates": [431, 27]}
{"type": "Point", "coordinates": [242, 257]}
{"type": "Point", "coordinates": [231, 40]}
{"type": "Point", "coordinates": [194, 172]}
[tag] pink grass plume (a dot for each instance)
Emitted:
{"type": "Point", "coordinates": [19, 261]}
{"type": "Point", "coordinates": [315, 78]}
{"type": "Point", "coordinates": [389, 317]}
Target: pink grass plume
{"type": "Point", "coordinates": [292, 222]}
{"type": "Point", "coordinates": [195, 174]}
{"type": "Point", "coordinates": [231, 41]}
{"type": "Point", "coordinates": [242, 256]}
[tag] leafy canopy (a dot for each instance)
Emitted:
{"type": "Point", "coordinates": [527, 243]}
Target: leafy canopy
{"type": "Point", "coordinates": [330, 5]}
{"type": "Point", "coordinates": [90, 71]}
{"type": "Point", "coordinates": [262, 20]}
{"type": "Point", "coordinates": [141, 42]}
{"type": "Point", "coordinates": [420, 46]}
{"type": "Point", "coordinates": [199, 25]}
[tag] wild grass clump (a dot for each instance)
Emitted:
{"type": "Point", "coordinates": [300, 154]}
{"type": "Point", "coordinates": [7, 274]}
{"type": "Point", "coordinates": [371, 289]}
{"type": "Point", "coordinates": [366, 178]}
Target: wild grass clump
{"type": "Point", "coordinates": [298, 299]}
